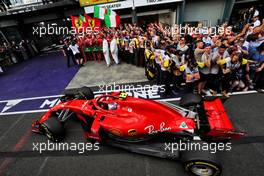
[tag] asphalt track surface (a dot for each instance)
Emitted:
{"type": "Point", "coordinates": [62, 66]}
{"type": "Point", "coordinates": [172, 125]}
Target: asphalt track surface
{"type": "Point", "coordinates": [17, 157]}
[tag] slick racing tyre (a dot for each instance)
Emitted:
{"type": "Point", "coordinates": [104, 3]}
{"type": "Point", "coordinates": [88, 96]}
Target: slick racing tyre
{"type": "Point", "coordinates": [201, 163]}
{"type": "Point", "coordinates": [190, 99]}
{"type": "Point", "coordinates": [83, 93]}
{"type": "Point", "coordinates": [53, 129]}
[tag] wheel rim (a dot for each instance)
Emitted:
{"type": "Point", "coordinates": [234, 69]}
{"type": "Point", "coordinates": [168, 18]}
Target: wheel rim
{"type": "Point", "coordinates": [202, 170]}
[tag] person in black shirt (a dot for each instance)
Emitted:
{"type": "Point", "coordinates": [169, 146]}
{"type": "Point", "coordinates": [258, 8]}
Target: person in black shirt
{"type": "Point", "coordinates": [68, 53]}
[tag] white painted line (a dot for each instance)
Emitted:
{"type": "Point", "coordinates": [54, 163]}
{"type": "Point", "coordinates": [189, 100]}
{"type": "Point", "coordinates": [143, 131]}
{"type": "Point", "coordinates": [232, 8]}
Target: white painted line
{"type": "Point", "coordinates": [245, 92]}
{"type": "Point", "coordinates": [240, 93]}
{"type": "Point", "coordinates": [170, 99]}
{"type": "Point", "coordinates": [96, 92]}
{"type": "Point", "coordinates": [23, 112]}
{"type": "Point", "coordinates": [42, 166]}
{"type": "Point", "coordinates": [33, 98]}
{"type": "Point", "coordinates": [147, 167]}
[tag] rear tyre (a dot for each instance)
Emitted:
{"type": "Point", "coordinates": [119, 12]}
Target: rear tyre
{"type": "Point", "coordinates": [85, 93]}
{"type": "Point", "coordinates": [190, 99]}
{"type": "Point", "coordinates": [53, 129]}
{"type": "Point", "coordinates": [201, 163]}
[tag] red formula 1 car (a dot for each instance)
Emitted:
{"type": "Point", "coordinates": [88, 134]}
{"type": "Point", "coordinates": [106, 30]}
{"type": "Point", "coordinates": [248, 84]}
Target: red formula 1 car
{"type": "Point", "coordinates": [144, 126]}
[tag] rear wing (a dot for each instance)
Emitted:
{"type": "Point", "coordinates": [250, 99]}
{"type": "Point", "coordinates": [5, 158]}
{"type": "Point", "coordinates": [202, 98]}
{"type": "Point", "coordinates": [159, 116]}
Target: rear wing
{"type": "Point", "coordinates": [220, 124]}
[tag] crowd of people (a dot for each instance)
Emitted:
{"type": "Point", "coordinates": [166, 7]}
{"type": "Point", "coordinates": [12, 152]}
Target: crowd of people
{"type": "Point", "coordinates": [11, 53]}
{"type": "Point", "coordinates": [206, 62]}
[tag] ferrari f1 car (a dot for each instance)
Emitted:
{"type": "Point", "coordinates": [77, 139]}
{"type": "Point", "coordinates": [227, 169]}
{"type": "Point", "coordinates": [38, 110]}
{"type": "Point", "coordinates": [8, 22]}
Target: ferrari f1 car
{"type": "Point", "coordinates": [144, 126]}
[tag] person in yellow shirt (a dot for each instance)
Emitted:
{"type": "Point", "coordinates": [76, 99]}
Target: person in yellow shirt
{"type": "Point", "coordinates": [150, 66]}
{"type": "Point", "coordinates": [165, 74]}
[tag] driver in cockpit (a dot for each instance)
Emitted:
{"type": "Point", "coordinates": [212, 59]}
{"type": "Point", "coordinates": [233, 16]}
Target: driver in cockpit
{"type": "Point", "coordinates": [112, 106]}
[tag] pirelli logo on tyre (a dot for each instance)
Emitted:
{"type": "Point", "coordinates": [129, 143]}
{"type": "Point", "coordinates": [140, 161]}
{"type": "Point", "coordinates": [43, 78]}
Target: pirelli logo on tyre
{"type": "Point", "coordinates": [132, 132]}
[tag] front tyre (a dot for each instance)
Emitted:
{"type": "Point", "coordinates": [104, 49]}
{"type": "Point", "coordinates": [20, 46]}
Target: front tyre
{"type": "Point", "coordinates": [53, 129]}
{"type": "Point", "coordinates": [85, 93]}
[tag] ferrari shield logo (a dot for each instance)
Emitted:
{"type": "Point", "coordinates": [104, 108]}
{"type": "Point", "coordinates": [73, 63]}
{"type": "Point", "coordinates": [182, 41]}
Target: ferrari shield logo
{"type": "Point", "coordinates": [78, 23]}
{"type": "Point", "coordinates": [132, 132]}
{"type": "Point", "coordinates": [91, 23]}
